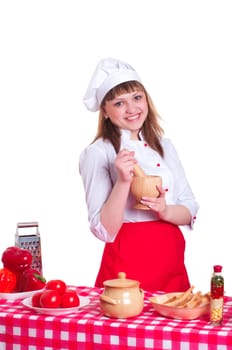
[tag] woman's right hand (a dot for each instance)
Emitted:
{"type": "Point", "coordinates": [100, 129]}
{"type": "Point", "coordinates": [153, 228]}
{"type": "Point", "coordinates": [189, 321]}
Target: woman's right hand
{"type": "Point", "coordinates": [124, 163]}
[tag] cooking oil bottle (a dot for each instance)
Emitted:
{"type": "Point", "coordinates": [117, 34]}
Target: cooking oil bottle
{"type": "Point", "coordinates": [217, 296]}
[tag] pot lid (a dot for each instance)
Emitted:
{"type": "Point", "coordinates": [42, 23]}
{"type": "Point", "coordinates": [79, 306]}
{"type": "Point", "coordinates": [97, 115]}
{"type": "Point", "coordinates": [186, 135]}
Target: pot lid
{"type": "Point", "coordinates": [121, 282]}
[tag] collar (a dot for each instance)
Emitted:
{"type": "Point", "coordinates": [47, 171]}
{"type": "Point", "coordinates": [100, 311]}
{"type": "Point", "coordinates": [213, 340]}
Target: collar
{"type": "Point", "coordinates": [125, 135]}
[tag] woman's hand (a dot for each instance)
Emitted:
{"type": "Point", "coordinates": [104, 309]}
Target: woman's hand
{"type": "Point", "coordinates": [175, 214]}
{"type": "Point", "coordinates": [124, 164]}
{"type": "Point", "coordinates": [110, 218]}
{"type": "Point", "coordinates": [157, 204]}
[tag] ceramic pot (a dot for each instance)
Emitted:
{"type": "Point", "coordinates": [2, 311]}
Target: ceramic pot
{"type": "Point", "coordinates": [122, 298]}
{"type": "Point", "coordinates": [144, 186]}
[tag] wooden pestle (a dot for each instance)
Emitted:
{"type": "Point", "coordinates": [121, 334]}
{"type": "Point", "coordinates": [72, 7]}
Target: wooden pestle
{"type": "Point", "coordinates": [138, 171]}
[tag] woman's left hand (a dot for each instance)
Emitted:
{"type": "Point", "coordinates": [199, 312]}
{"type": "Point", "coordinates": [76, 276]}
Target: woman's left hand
{"type": "Point", "coordinates": [157, 204]}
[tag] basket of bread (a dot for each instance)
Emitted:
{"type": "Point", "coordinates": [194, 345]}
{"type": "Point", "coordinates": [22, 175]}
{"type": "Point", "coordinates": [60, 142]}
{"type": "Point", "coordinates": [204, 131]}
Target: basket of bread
{"type": "Point", "coordinates": [182, 305]}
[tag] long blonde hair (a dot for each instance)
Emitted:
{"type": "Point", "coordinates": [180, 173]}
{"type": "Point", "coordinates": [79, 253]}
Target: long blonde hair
{"type": "Point", "coordinates": [151, 129]}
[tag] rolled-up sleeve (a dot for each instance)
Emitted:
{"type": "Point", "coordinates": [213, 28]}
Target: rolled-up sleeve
{"type": "Point", "coordinates": [94, 169]}
{"type": "Point", "coordinates": [183, 194]}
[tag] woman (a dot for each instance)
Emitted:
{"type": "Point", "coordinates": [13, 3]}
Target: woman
{"type": "Point", "coordinates": [147, 245]}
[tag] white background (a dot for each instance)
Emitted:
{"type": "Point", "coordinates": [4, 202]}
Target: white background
{"type": "Point", "coordinates": [49, 49]}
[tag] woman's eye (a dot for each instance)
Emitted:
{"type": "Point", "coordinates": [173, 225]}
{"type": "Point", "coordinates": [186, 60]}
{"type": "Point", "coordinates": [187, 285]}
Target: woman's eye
{"type": "Point", "coordinates": [138, 97]}
{"type": "Point", "coordinates": [118, 104]}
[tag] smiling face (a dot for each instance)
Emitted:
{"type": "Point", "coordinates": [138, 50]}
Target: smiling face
{"type": "Point", "coordinates": [127, 110]}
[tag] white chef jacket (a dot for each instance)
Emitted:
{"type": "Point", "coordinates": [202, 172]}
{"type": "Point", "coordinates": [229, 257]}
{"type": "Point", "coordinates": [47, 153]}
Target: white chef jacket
{"type": "Point", "coordinates": [96, 166]}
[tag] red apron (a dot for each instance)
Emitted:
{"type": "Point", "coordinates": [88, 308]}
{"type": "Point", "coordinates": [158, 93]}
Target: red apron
{"type": "Point", "coordinates": [150, 252]}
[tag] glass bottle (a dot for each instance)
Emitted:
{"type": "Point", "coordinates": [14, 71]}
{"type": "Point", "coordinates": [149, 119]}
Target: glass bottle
{"type": "Point", "coordinates": [217, 296]}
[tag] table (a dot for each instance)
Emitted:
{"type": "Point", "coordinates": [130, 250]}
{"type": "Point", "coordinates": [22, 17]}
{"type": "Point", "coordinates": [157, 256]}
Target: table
{"type": "Point", "coordinates": [89, 329]}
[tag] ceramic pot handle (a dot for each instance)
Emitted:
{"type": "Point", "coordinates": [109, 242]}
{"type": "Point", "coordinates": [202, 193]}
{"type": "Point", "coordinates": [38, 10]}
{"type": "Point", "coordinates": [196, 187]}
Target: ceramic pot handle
{"type": "Point", "coordinates": [108, 299]}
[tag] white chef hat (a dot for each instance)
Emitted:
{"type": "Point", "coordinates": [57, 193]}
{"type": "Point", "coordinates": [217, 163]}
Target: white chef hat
{"type": "Point", "coordinates": [108, 73]}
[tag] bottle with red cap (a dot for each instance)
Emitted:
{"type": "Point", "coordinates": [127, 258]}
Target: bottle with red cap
{"type": "Point", "coordinates": [217, 296]}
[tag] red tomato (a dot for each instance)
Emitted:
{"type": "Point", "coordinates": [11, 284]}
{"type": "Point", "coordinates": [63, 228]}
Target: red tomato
{"type": "Point", "coordinates": [50, 299]}
{"type": "Point", "coordinates": [58, 285]}
{"type": "Point", "coordinates": [70, 298]}
{"type": "Point", "coordinates": [35, 300]}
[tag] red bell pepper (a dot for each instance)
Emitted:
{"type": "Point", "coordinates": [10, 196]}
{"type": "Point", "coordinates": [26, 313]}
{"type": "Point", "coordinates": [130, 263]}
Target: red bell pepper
{"type": "Point", "coordinates": [16, 259]}
{"type": "Point", "coordinates": [7, 281]}
{"type": "Point", "coordinates": [30, 279]}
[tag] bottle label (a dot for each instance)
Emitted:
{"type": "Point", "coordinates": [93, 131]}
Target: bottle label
{"type": "Point", "coordinates": [217, 291]}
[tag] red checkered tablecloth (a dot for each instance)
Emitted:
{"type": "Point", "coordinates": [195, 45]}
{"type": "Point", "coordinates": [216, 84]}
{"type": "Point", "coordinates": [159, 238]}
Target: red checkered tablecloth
{"type": "Point", "coordinates": [89, 329]}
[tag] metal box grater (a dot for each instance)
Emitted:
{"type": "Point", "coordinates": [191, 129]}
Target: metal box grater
{"type": "Point", "coordinates": [28, 237]}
